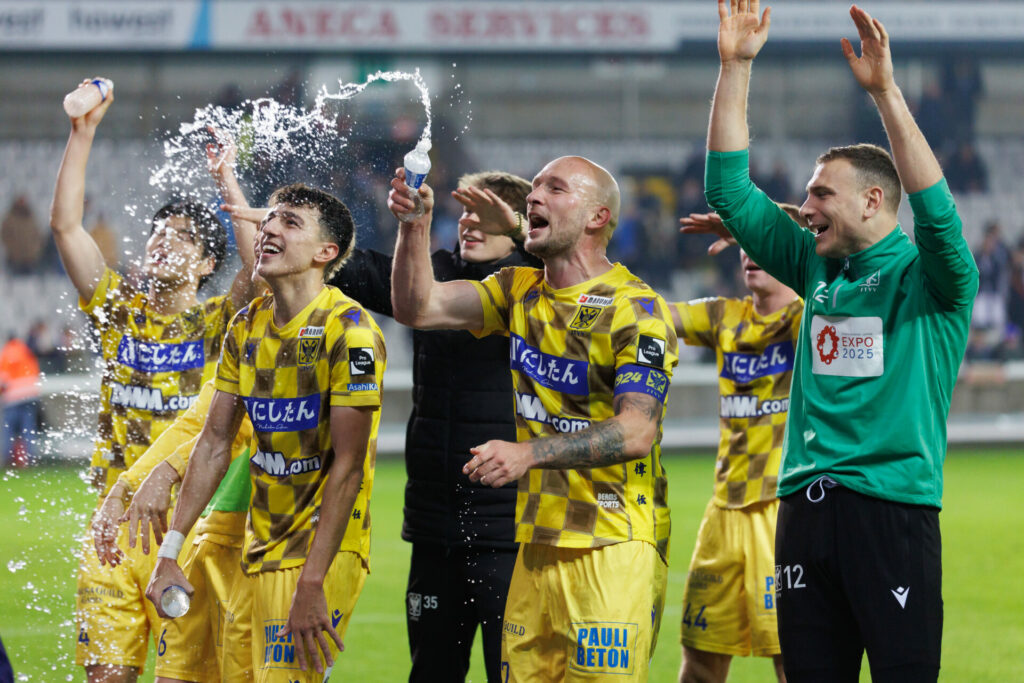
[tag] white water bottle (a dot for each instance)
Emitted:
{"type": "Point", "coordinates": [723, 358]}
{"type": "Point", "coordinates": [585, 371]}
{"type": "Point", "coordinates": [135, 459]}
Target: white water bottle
{"type": "Point", "coordinates": [175, 601]}
{"type": "Point", "coordinates": [417, 166]}
{"type": "Point", "coordinates": [81, 101]}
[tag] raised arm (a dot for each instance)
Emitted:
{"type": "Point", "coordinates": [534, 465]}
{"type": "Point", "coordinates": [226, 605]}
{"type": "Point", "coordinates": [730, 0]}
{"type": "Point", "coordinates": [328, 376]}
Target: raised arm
{"type": "Point", "coordinates": [82, 258]}
{"type": "Point", "coordinates": [946, 261]}
{"type": "Point", "coordinates": [742, 31]}
{"type": "Point", "coordinates": [417, 298]}
{"type": "Point", "coordinates": [206, 467]}
{"type": "Point", "coordinates": [220, 160]}
{"type": "Point", "coordinates": [308, 618]}
{"type": "Point", "coordinates": [915, 162]}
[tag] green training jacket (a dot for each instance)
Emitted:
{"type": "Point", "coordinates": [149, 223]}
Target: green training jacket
{"type": "Point", "coordinates": [883, 334]}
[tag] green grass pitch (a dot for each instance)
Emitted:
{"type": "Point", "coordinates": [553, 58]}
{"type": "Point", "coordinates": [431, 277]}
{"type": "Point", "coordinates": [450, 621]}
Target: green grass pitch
{"type": "Point", "coordinates": [42, 511]}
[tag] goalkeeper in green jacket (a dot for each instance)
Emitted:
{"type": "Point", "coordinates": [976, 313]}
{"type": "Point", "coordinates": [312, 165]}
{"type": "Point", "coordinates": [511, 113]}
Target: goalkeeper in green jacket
{"type": "Point", "coordinates": [858, 550]}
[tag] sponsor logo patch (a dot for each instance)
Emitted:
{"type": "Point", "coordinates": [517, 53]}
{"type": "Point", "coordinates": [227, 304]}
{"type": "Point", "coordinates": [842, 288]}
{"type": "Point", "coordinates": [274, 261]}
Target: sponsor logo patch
{"type": "Point", "coordinates": [650, 351]}
{"type": "Point", "coordinates": [278, 652]}
{"type": "Point", "coordinates": [594, 300]}
{"type": "Point", "coordinates": [360, 361]}
{"type": "Point", "coordinates": [147, 398]}
{"type": "Point", "coordinates": [847, 347]}
{"type": "Point", "coordinates": [158, 357]}
{"type": "Point", "coordinates": [642, 379]}
{"type": "Point", "coordinates": [275, 464]}
{"type": "Point", "coordinates": [743, 368]}
{"type": "Point", "coordinates": [363, 386]}
{"type": "Point", "coordinates": [603, 647]}
{"type": "Point", "coordinates": [531, 408]}
{"type": "Point", "coordinates": [554, 372]}
{"type": "Point", "coordinates": [283, 414]}
{"type": "Point", "coordinates": [747, 405]}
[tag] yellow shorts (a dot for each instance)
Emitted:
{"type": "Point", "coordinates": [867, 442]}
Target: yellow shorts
{"type": "Point", "coordinates": [729, 600]}
{"type": "Point", "coordinates": [113, 616]}
{"type": "Point", "coordinates": [582, 614]}
{"type": "Point", "coordinates": [192, 647]}
{"type": "Point", "coordinates": [275, 661]}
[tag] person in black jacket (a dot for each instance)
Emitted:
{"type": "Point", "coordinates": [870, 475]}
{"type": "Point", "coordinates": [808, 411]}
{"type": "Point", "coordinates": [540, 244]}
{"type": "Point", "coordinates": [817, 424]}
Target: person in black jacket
{"type": "Point", "coordinates": [462, 532]}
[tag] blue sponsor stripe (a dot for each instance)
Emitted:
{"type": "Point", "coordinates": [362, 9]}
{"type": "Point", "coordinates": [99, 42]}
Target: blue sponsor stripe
{"type": "Point", "coordinates": [158, 357]}
{"type": "Point", "coordinates": [283, 414]}
{"type": "Point", "coordinates": [746, 367]}
{"type": "Point", "coordinates": [641, 379]}
{"type": "Point", "coordinates": [554, 372]}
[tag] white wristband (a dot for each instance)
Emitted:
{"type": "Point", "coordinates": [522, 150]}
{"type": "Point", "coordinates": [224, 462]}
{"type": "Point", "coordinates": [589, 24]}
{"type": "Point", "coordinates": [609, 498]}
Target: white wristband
{"type": "Point", "coordinates": [171, 547]}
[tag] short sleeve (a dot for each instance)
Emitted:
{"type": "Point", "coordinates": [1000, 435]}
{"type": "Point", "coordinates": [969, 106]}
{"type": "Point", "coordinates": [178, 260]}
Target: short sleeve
{"type": "Point", "coordinates": [357, 359]}
{"type": "Point", "coordinates": [647, 350]}
{"type": "Point", "coordinates": [98, 307]}
{"type": "Point", "coordinates": [696, 316]}
{"type": "Point", "coordinates": [494, 296]}
{"type": "Point", "coordinates": [227, 367]}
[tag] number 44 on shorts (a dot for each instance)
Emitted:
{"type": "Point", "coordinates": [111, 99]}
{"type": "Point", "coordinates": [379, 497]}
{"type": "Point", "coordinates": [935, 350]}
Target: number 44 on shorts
{"type": "Point", "coordinates": [697, 620]}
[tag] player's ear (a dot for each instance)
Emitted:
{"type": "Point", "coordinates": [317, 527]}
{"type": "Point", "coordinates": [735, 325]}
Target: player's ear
{"type": "Point", "coordinates": [327, 252]}
{"type": "Point", "coordinates": [874, 199]}
{"type": "Point", "coordinates": [599, 218]}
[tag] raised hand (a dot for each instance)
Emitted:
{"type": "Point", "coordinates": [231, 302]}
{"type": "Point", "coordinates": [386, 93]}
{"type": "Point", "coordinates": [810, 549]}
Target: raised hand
{"type": "Point", "coordinates": [252, 214]}
{"type": "Point", "coordinates": [221, 153]}
{"type": "Point", "coordinates": [93, 118]}
{"type": "Point", "coordinates": [400, 201]}
{"type": "Point", "coordinates": [708, 224]}
{"type": "Point", "coordinates": [873, 69]}
{"type": "Point", "coordinates": [742, 29]}
{"type": "Point", "coordinates": [489, 213]}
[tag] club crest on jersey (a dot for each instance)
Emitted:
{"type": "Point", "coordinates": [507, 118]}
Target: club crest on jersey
{"type": "Point", "coordinates": [192, 320]}
{"type": "Point", "coordinates": [585, 318]}
{"type": "Point", "coordinates": [650, 351]}
{"type": "Point", "coordinates": [310, 339]}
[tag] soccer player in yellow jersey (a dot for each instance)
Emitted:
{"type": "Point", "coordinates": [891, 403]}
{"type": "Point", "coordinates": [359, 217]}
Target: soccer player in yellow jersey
{"type": "Point", "coordinates": [191, 647]}
{"type": "Point", "coordinates": [158, 345]}
{"type": "Point", "coordinates": [592, 351]}
{"type": "Point", "coordinates": [211, 641]}
{"type": "Point", "coordinates": [729, 599]}
{"type": "Point", "coordinates": [305, 364]}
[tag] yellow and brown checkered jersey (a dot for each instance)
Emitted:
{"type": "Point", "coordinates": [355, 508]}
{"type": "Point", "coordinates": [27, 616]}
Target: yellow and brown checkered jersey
{"type": "Point", "coordinates": [153, 368]}
{"type": "Point", "coordinates": [572, 351]}
{"type": "Point", "coordinates": [755, 367]}
{"type": "Point", "coordinates": [289, 378]}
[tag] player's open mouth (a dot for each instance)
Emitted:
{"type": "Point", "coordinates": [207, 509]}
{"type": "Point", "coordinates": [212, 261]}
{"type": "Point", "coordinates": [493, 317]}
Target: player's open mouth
{"type": "Point", "coordinates": [270, 249]}
{"type": "Point", "coordinates": [537, 222]}
{"type": "Point", "coordinates": [751, 268]}
{"type": "Point", "coordinates": [820, 230]}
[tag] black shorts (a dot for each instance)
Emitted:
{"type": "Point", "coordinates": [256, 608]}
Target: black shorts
{"type": "Point", "coordinates": [856, 573]}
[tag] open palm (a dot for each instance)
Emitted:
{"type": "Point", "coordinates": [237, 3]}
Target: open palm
{"type": "Point", "coordinates": [742, 30]}
{"type": "Point", "coordinates": [873, 69]}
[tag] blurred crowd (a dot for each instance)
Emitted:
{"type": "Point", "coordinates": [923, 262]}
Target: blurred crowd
{"type": "Point", "coordinates": [646, 240]}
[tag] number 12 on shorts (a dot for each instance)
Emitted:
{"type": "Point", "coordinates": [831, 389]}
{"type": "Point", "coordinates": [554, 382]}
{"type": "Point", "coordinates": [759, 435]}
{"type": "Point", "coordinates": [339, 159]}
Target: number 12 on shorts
{"type": "Point", "coordinates": [695, 620]}
{"type": "Point", "coordinates": [789, 576]}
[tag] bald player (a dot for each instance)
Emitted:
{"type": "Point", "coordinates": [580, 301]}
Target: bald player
{"type": "Point", "coordinates": [592, 351]}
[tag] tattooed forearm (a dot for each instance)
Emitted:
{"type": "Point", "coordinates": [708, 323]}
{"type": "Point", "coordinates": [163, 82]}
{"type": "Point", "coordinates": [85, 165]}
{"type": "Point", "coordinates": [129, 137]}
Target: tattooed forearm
{"type": "Point", "coordinates": [601, 444]}
{"type": "Point", "coordinates": [648, 406]}
{"type": "Point", "coordinates": [610, 442]}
